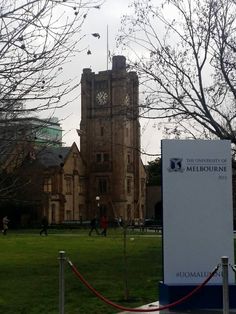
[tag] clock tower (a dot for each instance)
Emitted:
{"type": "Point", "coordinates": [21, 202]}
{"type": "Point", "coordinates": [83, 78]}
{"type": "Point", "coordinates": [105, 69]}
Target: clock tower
{"type": "Point", "coordinates": [110, 143]}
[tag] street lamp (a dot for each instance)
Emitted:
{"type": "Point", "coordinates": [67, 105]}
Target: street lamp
{"type": "Point", "coordinates": [97, 200]}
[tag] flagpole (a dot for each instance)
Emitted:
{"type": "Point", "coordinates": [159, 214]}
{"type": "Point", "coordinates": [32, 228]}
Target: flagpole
{"type": "Point", "coordinates": [107, 48]}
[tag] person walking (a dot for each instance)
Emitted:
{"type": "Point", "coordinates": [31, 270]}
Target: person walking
{"type": "Point", "coordinates": [5, 222]}
{"type": "Point", "coordinates": [44, 226]}
{"type": "Point", "coordinates": [104, 225]}
{"type": "Point", "coordinates": [93, 226]}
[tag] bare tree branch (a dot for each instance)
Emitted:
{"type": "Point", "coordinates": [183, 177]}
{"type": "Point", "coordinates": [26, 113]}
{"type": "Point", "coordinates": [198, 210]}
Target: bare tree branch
{"type": "Point", "coordinates": [37, 39]}
{"type": "Point", "coordinates": [184, 53]}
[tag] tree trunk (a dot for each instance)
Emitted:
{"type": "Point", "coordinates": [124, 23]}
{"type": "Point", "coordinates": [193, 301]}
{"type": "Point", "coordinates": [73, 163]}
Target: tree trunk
{"type": "Point", "coordinates": [126, 290]}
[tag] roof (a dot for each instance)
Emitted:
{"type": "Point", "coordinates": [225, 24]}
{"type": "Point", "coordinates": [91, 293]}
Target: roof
{"type": "Point", "coordinates": [53, 156]}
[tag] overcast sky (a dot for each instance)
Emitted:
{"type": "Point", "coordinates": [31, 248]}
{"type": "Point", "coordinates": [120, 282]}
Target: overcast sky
{"type": "Point", "coordinates": [96, 22]}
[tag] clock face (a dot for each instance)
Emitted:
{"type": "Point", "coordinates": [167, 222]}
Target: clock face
{"type": "Point", "coordinates": [102, 97]}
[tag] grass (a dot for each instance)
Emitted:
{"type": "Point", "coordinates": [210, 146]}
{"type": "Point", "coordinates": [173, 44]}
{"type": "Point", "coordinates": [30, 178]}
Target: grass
{"type": "Point", "coordinates": [29, 271]}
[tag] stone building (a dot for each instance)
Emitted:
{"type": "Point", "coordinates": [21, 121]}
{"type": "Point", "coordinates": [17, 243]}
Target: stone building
{"type": "Point", "coordinates": [52, 184]}
{"type": "Point", "coordinates": [64, 184]}
{"type": "Point", "coordinates": [105, 177]}
{"type": "Point", "coordinates": [154, 203]}
{"type": "Point", "coordinates": [110, 142]}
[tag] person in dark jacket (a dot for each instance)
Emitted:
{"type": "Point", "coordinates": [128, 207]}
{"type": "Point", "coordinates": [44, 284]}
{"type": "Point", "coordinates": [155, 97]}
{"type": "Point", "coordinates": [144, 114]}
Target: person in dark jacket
{"type": "Point", "coordinates": [93, 226]}
{"type": "Point", "coordinates": [44, 226]}
{"type": "Point", "coordinates": [5, 222]}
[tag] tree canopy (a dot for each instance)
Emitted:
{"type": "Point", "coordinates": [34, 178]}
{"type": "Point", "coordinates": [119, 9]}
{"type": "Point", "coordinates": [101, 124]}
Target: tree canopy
{"type": "Point", "coordinates": [184, 52]}
{"type": "Point", "coordinates": [154, 172]}
{"type": "Point", "coordinates": [37, 38]}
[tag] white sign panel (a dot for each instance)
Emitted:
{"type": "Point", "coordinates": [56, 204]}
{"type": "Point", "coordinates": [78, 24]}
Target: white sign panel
{"type": "Point", "coordinates": [197, 209]}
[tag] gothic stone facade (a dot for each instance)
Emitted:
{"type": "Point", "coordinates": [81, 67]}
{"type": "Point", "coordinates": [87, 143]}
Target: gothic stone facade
{"type": "Point", "coordinates": [110, 143]}
{"type": "Point", "coordinates": [107, 175]}
{"type": "Point", "coordinates": [53, 185]}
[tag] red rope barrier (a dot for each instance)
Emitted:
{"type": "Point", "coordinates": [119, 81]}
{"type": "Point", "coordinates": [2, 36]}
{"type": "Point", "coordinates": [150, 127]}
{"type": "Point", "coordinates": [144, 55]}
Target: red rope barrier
{"type": "Point", "coordinates": [123, 308]}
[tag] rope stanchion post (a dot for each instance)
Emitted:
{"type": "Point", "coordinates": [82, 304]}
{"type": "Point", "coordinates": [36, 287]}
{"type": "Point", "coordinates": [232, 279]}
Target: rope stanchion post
{"type": "Point", "coordinates": [61, 281]}
{"type": "Point", "coordinates": [225, 263]}
{"type": "Point", "coordinates": [123, 308]}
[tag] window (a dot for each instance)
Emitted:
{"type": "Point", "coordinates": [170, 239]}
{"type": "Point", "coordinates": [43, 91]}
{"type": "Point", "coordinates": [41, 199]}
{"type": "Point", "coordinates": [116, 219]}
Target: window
{"type": "Point", "coordinates": [129, 185]}
{"type": "Point", "coordinates": [47, 185]}
{"type": "Point", "coordinates": [102, 131]}
{"type": "Point", "coordinates": [54, 185]}
{"type": "Point", "coordinates": [129, 159]}
{"type": "Point", "coordinates": [80, 185]}
{"type": "Point", "coordinates": [106, 157]}
{"type": "Point", "coordinates": [53, 213]}
{"type": "Point", "coordinates": [102, 157]}
{"type": "Point", "coordinates": [99, 157]}
{"type": "Point", "coordinates": [68, 185]}
{"type": "Point", "coordinates": [102, 185]}
{"type": "Point", "coordinates": [81, 212]}
{"type": "Point", "coordinates": [68, 215]}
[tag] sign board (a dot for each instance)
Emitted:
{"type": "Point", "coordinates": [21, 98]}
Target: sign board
{"type": "Point", "coordinates": [197, 209]}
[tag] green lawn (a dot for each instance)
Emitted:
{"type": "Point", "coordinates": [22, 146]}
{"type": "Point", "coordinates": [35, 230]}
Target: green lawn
{"type": "Point", "coordinates": [29, 271]}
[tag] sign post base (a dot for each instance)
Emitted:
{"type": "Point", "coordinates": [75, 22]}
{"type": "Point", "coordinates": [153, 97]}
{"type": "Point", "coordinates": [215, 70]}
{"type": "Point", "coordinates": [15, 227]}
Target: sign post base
{"type": "Point", "coordinates": [208, 297]}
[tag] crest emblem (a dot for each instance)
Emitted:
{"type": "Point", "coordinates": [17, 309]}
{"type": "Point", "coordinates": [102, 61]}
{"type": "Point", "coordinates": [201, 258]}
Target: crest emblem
{"type": "Point", "coordinates": [176, 165]}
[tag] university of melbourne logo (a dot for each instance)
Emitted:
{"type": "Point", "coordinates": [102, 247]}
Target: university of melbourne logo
{"type": "Point", "coordinates": [176, 165]}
